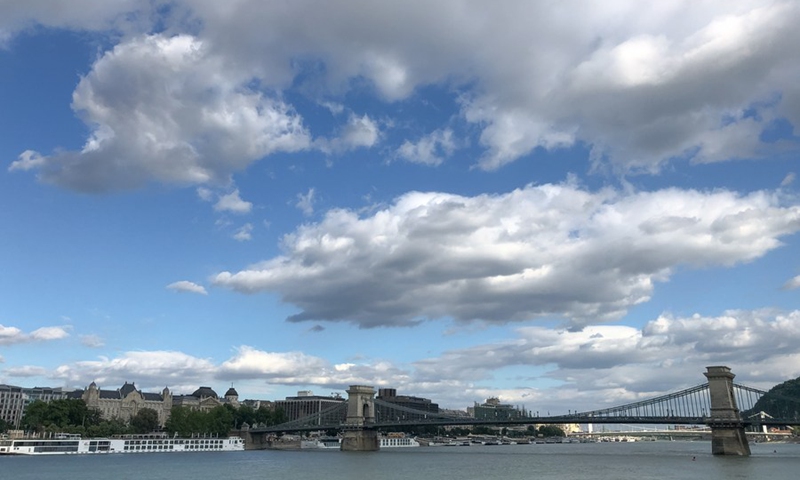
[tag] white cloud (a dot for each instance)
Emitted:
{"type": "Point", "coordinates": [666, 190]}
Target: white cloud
{"type": "Point", "coordinates": [168, 109]}
{"type": "Point", "coordinates": [534, 252]}
{"type": "Point", "coordinates": [290, 367]}
{"type": "Point", "coordinates": [92, 341]}
{"type": "Point", "coordinates": [788, 179]}
{"type": "Point", "coordinates": [244, 233]}
{"type": "Point", "coordinates": [13, 335]}
{"type": "Point", "coordinates": [431, 149]}
{"type": "Point", "coordinates": [26, 371]}
{"type": "Point", "coordinates": [153, 368]}
{"type": "Point", "coordinates": [602, 365]}
{"type": "Point", "coordinates": [359, 132]}
{"type": "Point", "coordinates": [187, 286]}
{"type": "Point", "coordinates": [123, 15]}
{"type": "Point", "coordinates": [232, 203]}
{"type": "Point", "coordinates": [639, 83]}
{"type": "Point", "coordinates": [792, 283]}
{"type": "Point", "coordinates": [614, 364]}
{"type": "Point", "coordinates": [305, 202]}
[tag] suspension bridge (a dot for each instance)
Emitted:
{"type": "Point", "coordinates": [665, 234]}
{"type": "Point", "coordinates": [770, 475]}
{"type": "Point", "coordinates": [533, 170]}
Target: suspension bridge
{"type": "Point", "coordinates": [724, 406]}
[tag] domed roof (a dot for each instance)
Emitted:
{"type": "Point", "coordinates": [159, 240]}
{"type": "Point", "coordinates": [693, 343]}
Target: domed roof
{"type": "Point", "coordinates": [204, 392]}
{"type": "Point", "coordinates": [231, 392]}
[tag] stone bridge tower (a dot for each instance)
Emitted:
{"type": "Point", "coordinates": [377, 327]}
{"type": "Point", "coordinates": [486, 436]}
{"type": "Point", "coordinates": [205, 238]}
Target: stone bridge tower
{"type": "Point", "coordinates": [357, 434]}
{"type": "Point", "coordinates": [727, 428]}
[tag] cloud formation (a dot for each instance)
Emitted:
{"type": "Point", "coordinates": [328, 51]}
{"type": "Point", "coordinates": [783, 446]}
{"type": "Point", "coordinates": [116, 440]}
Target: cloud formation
{"type": "Point", "coordinates": [167, 109]}
{"type": "Point", "coordinates": [640, 84]}
{"type": "Point", "coordinates": [540, 251]}
{"type": "Point", "coordinates": [187, 286]}
{"type": "Point", "coordinates": [602, 365]}
{"type": "Point", "coordinates": [13, 335]}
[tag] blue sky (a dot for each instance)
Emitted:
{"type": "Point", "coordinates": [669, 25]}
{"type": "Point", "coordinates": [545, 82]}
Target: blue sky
{"type": "Point", "coordinates": [566, 206]}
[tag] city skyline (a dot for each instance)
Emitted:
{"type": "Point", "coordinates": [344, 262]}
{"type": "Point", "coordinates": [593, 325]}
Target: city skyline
{"type": "Point", "coordinates": [563, 206]}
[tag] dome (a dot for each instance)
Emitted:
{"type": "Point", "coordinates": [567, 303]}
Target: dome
{"type": "Point", "coordinates": [231, 393]}
{"type": "Point", "coordinates": [204, 392]}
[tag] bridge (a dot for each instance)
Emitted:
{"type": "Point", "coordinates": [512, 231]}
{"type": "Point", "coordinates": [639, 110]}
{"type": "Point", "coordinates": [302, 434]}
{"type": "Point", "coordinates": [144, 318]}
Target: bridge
{"type": "Point", "coordinates": [725, 407]}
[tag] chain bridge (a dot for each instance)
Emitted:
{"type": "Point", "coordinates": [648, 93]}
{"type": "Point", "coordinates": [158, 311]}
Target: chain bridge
{"type": "Point", "coordinates": [724, 406]}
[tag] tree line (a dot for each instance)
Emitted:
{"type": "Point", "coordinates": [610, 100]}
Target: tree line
{"type": "Point", "coordinates": [73, 416]}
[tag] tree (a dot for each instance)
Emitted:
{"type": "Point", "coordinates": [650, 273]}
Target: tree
{"type": "Point", "coordinates": [782, 401]}
{"type": "Point", "coordinates": [4, 426]}
{"type": "Point", "coordinates": [551, 431]}
{"type": "Point", "coordinates": [57, 415]}
{"type": "Point", "coordinates": [145, 421]}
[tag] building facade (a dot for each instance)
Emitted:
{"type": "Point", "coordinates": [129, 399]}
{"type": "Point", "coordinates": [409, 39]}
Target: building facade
{"type": "Point", "coordinates": [13, 401]}
{"type": "Point", "coordinates": [125, 402]}
{"type": "Point", "coordinates": [492, 409]}
{"type": "Point", "coordinates": [306, 404]}
{"type": "Point", "coordinates": [422, 406]}
{"type": "Point", "coordinates": [205, 399]}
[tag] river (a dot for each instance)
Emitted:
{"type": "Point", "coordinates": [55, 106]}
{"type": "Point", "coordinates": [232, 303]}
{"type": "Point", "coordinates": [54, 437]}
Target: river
{"type": "Point", "coordinates": [617, 461]}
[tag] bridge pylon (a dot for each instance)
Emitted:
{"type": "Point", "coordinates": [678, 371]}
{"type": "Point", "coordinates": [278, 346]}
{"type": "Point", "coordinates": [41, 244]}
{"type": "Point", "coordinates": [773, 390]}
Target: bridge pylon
{"type": "Point", "coordinates": [357, 436]}
{"type": "Point", "coordinates": [727, 428]}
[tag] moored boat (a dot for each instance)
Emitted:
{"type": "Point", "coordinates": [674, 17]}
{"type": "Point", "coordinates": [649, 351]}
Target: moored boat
{"type": "Point", "coordinates": [68, 444]}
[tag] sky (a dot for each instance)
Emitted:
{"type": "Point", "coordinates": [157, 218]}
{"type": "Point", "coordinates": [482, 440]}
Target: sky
{"type": "Point", "coordinates": [567, 205]}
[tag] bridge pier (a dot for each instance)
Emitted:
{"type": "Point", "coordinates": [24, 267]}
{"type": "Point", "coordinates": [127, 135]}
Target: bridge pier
{"type": "Point", "coordinates": [727, 428]}
{"type": "Point", "coordinates": [357, 436]}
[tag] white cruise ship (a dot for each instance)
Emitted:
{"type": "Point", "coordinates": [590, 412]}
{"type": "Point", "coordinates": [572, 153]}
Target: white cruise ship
{"type": "Point", "coordinates": [392, 440]}
{"type": "Point", "coordinates": [67, 444]}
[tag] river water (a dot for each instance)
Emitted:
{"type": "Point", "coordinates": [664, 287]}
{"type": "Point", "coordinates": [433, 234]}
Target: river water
{"type": "Point", "coordinates": [617, 461]}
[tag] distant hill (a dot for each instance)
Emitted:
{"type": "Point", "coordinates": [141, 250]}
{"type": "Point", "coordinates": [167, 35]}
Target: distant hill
{"type": "Point", "coordinates": [782, 401]}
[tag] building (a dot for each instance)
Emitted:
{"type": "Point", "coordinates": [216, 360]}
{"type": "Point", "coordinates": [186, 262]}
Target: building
{"type": "Point", "coordinates": [306, 404]}
{"type": "Point", "coordinates": [13, 401]}
{"type": "Point", "coordinates": [125, 402]}
{"type": "Point", "coordinates": [205, 399]}
{"type": "Point", "coordinates": [492, 409]}
{"type": "Point", "coordinates": [389, 395]}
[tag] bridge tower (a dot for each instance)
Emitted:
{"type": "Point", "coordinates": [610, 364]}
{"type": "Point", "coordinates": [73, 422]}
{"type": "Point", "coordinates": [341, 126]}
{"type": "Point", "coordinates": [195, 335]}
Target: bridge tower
{"type": "Point", "coordinates": [357, 435]}
{"type": "Point", "coordinates": [727, 428]}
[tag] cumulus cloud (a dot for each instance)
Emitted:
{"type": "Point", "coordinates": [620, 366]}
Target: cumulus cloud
{"type": "Point", "coordinates": [431, 149]}
{"type": "Point", "coordinates": [550, 250]}
{"type": "Point", "coordinates": [124, 15]}
{"type": "Point", "coordinates": [283, 367]}
{"type": "Point", "coordinates": [154, 368]}
{"type": "Point", "coordinates": [233, 203]}
{"type": "Point", "coordinates": [793, 283]}
{"type": "Point", "coordinates": [305, 202]}
{"type": "Point", "coordinates": [244, 233]}
{"type": "Point", "coordinates": [612, 364]}
{"type": "Point", "coordinates": [359, 132]}
{"type": "Point", "coordinates": [601, 365]}
{"type": "Point", "coordinates": [788, 179]}
{"type": "Point", "coordinates": [639, 83]}
{"type": "Point", "coordinates": [13, 335]}
{"type": "Point", "coordinates": [167, 109]}
{"type": "Point", "coordinates": [25, 371]}
{"type": "Point", "coordinates": [92, 341]}
{"type": "Point", "coordinates": [188, 287]}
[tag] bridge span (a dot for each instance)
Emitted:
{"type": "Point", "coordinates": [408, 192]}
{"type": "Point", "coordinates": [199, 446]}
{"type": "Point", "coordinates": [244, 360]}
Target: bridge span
{"type": "Point", "coordinates": [717, 404]}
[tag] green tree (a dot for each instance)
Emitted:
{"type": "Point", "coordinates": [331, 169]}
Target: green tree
{"type": "Point", "coordinates": [145, 421]}
{"type": "Point", "coordinates": [550, 431]}
{"type": "Point", "coordinates": [4, 426]}
{"type": "Point", "coordinates": [57, 415]}
{"type": "Point", "coordinates": [219, 421]}
{"type": "Point", "coordinates": [782, 401]}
